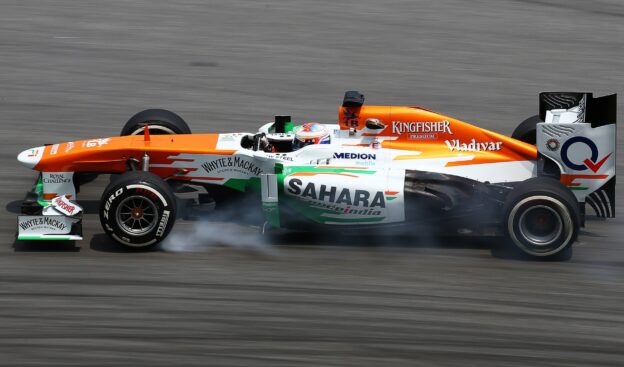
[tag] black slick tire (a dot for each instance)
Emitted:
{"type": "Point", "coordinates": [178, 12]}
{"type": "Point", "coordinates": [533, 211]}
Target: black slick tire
{"type": "Point", "coordinates": [159, 121]}
{"type": "Point", "coordinates": [137, 210]}
{"type": "Point", "coordinates": [541, 219]}
{"type": "Point", "coordinates": [526, 131]}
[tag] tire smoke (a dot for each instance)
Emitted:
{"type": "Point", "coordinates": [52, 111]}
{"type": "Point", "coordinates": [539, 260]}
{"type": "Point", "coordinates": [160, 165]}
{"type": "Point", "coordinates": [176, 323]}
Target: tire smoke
{"type": "Point", "coordinates": [206, 235]}
{"type": "Point", "coordinates": [226, 228]}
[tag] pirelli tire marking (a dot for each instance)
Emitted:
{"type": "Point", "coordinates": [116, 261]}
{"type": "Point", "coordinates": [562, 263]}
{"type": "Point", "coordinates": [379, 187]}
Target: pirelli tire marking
{"type": "Point", "coordinates": [163, 223]}
{"type": "Point", "coordinates": [162, 198]}
{"type": "Point", "coordinates": [109, 202]}
{"type": "Point", "coordinates": [162, 215]}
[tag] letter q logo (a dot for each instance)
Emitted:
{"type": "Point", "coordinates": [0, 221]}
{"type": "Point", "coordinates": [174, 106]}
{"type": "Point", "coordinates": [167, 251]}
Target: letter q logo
{"type": "Point", "coordinates": [592, 162]}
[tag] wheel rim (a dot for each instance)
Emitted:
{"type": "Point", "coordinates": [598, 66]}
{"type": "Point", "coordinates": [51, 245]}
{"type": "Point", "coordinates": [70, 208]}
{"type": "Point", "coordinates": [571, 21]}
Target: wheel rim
{"type": "Point", "coordinates": [137, 215]}
{"type": "Point", "coordinates": [155, 130]}
{"type": "Point", "coordinates": [540, 225]}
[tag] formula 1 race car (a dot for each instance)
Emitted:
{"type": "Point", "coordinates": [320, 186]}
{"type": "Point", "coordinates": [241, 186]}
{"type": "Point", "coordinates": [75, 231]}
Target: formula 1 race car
{"type": "Point", "coordinates": [378, 166]}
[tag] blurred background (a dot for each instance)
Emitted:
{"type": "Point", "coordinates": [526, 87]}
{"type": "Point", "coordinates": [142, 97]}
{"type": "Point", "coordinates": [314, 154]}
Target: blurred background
{"type": "Point", "coordinates": [78, 69]}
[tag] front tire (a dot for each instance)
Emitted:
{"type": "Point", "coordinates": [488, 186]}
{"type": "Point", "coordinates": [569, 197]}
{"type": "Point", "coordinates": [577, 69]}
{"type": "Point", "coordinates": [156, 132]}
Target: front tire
{"type": "Point", "coordinates": [160, 122]}
{"type": "Point", "coordinates": [542, 219]}
{"type": "Point", "coordinates": [138, 210]}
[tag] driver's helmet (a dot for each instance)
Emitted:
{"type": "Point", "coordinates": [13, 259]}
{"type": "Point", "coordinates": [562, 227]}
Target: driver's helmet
{"type": "Point", "coordinates": [310, 133]}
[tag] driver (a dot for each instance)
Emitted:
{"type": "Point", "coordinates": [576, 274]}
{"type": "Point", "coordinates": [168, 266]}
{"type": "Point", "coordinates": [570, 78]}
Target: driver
{"type": "Point", "coordinates": [310, 133]}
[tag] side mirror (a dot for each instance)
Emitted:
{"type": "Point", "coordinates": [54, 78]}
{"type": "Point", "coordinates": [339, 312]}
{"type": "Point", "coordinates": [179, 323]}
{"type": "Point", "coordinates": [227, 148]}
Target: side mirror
{"type": "Point", "coordinates": [374, 124]}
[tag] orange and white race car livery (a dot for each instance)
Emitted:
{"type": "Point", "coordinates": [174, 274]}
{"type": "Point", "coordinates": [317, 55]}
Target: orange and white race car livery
{"type": "Point", "coordinates": [378, 165]}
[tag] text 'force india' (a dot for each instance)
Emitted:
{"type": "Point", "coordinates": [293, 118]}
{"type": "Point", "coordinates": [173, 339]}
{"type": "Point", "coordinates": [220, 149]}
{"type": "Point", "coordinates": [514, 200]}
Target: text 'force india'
{"type": "Point", "coordinates": [382, 166]}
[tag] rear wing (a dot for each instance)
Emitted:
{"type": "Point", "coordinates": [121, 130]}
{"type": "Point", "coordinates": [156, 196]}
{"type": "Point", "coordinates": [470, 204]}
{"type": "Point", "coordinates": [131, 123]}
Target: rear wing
{"type": "Point", "coordinates": [578, 133]}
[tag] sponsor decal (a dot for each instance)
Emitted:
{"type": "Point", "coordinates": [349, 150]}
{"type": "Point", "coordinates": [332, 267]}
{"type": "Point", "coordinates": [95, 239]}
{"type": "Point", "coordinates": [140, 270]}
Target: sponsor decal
{"type": "Point", "coordinates": [69, 146]}
{"type": "Point", "coordinates": [43, 223]}
{"type": "Point", "coordinates": [54, 149]}
{"type": "Point", "coordinates": [280, 156]}
{"type": "Point", "coordinates": [109, 201]}
{"type": "Point", "coordinates": [235, 163]}
{"type": "Point", "coordinates": [341, 209]}
{"type": "Point", "coordinates": [341, 201]}
{"type": "Point", "coordinates": [473, 146]}
{"type": "Point", "coordinates": [376, 144]}
{"type": "Point", "coordinates": [56, 178]}
{"type": "Point", "coordinates": [361, 156]}
{"type": "Point", "coordinates": [163, 224]}
{"type": "Point", "coordinates": [572, 184]}
{"type": "Point", "coordinates": [226, 137]}
{"type": "Point", "coordinates": [64, 206]}
{"type": "Point", "coordinates": [418, 127]}
{"type": "Point", "coordinates": [350, 117]}
{"type": "Point", "coordinates": [33, 153]}
{"type": "Point", "coordinates": [552, 144]}
{"type": "Point", "coordinates": [391, 195]}
{"type": "Point", "coordinates": [423, 136]}
{"type": "Point", "coordinates": [95, 143]}
{"type": "Point", "coordinates": [592, 163]}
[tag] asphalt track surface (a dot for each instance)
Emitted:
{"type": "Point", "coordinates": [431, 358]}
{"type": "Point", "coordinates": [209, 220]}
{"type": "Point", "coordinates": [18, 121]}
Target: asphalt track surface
{"type": "Point", "coordinates": [72, 70]}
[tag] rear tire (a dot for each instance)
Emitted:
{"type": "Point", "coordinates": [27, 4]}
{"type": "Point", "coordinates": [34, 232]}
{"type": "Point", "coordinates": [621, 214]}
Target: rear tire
{"type": "Point", "coordinates": [542, 219]}
{"type": "Point", "coordinates": [138, 210]}
{"type": "Point", "coordinates": [526, 131]}
{"type": "Point", "coordinates": [160, 122]}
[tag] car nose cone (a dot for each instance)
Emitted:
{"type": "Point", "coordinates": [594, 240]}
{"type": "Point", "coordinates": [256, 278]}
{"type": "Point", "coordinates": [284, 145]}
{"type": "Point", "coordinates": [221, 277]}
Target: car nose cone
{"type": "Point", "coordinates": [30, 157]}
